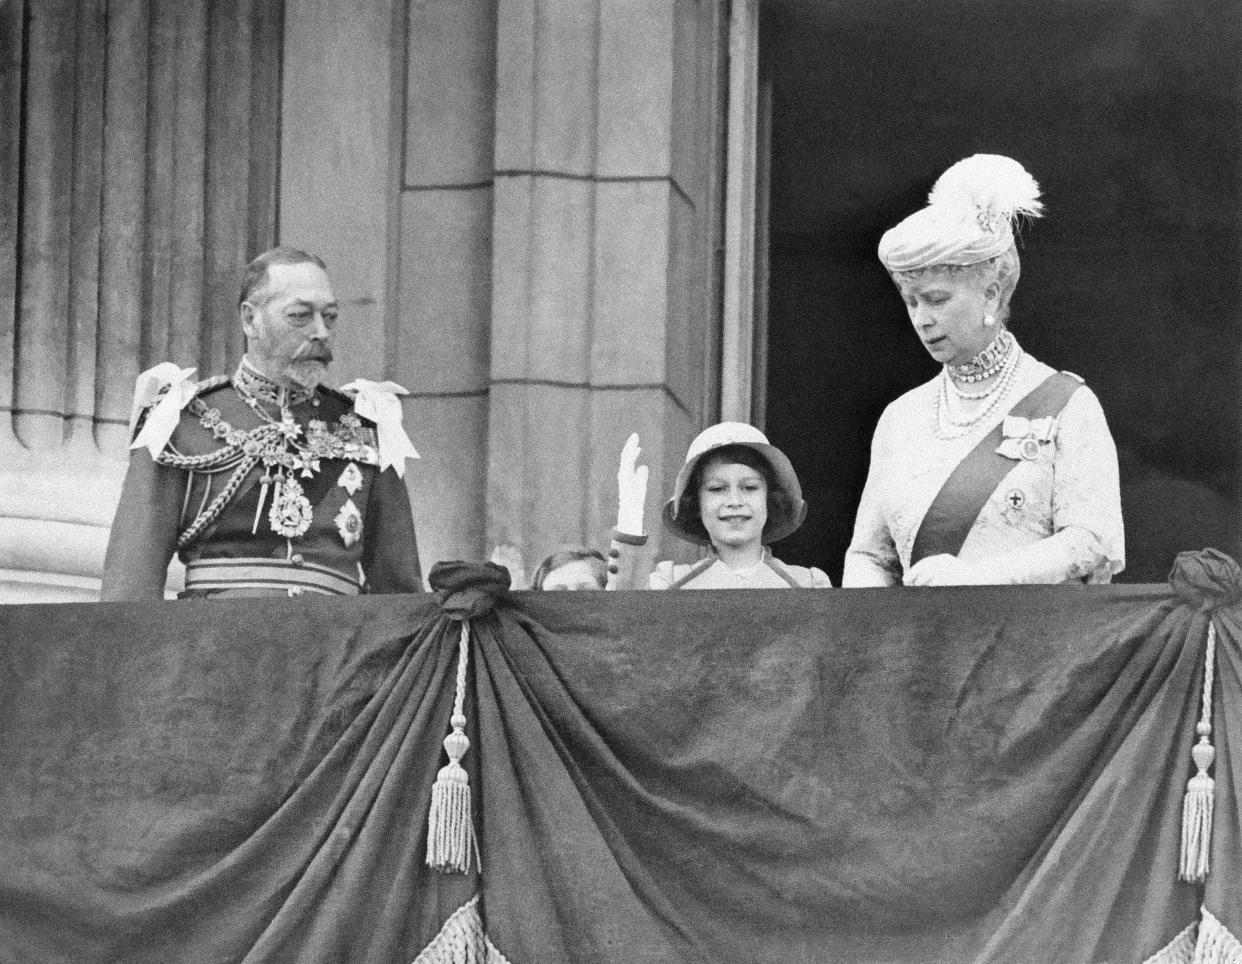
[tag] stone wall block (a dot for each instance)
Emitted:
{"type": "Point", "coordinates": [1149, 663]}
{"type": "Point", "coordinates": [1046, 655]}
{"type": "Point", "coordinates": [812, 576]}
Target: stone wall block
{"type": "Point", "coordinates": [565, 80]}
{"type": "Point", "coordinates": [692, 95]}
{"type": "Point", "coordinates": [338, 193]}
{"type": "Point", "coordinates": [540, 443]}
{"type": "Point", "coordinates": [636, 97]}
{"type": "Point", "coordinates": [515, 92]}
{"type": "Point", "coordinates": [542, 262]}
{"type": "Point", "coordinates": [546, 82]}
{"type": "Point", "coordinates": [686, 343]}
{"type": "Point", "coordinates": [451, 92]}
{"type": "Point", "coordinates": [443, 341]}
{"type": "Point", "coordinates": [631, 283]}
{"type": "Point", "coordinates": [448, 484]}
{"type": "Point", "coordinates": [512, 200]}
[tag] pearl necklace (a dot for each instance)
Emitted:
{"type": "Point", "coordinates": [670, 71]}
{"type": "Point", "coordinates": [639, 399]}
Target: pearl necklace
{"type": "Point", "coordinates": [987, 363]}
{"type": "Point", "coordinates": [947, 427]}
{"type": "Point", "coordinates": [970, 396]}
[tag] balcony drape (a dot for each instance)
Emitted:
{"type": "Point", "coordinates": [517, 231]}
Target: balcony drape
{"type": "Point", "coordinates": [986, 774]}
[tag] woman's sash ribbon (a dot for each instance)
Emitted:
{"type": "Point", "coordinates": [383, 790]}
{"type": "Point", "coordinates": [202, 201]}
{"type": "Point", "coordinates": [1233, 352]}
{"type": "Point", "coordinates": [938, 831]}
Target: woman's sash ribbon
{"type": "Point", "coordinates": [966, 491]}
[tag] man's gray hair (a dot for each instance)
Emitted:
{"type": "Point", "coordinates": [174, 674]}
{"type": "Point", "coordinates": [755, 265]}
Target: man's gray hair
{"type": "Point", "coordinates": [256, 272]}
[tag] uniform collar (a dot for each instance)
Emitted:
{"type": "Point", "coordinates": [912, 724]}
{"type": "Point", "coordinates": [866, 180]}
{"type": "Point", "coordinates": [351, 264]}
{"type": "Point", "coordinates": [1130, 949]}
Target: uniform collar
{"type": "Point", "coordinates": [251, 383]}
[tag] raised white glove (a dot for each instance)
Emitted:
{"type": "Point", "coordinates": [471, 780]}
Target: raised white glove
{"type": "Point", "coordinates": [631, 489]}
{"type": "Point", "coordinates": [510, 556]}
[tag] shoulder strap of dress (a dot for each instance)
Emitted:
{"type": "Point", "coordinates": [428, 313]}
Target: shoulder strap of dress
{"type": "Point", "coordinates": [694, 572]}
{"type": "Point", "coordinates": [783, 571]}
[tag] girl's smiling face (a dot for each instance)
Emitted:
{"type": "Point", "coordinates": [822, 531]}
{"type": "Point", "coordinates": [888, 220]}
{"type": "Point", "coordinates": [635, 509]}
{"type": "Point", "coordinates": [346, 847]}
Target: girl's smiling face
{"type": "Point", "coordinates": [733, 503]}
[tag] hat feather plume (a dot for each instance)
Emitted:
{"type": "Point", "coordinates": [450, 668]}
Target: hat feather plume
{"type": "Point", "coordinates": [996, 188]}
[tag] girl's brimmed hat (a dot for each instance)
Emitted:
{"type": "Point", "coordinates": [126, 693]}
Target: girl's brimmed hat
{"type": "Point", "coordinates": [718, 437]}
{"type": "Point", "coordinates": [969, 217]}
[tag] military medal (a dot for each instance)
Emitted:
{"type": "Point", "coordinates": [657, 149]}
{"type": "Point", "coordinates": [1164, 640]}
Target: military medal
{"type": "Point", "coordinates": [281, 449]}
{"type": "Point", "coordinates": [290, 515]}
{"type": "Point", "coordinates": [351, 479]}
{"type": "Point", "coordinates": [349, 523]}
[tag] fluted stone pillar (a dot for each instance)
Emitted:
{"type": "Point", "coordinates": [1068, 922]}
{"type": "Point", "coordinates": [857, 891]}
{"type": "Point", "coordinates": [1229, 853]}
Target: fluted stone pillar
{"type": "Point", "coordinates": [137, 172]}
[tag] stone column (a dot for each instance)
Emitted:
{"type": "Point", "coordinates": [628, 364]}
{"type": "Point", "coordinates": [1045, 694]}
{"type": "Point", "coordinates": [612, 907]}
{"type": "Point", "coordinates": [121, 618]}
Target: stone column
{"type": "Point", "coordinates": [606, 220]}
{"type": "Point", "coordinates": [446, 266]}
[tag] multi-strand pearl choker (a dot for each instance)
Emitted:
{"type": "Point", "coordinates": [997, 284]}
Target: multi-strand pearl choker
{"type": "Point", "coordinates": [985, 364]}
{"type": "Point", "coordinates": [945, 425]}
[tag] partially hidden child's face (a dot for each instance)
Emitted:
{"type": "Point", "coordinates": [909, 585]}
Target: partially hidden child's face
{"type": "Point", "coordinates": [572, 576]}
{"type": "Point", "coordinates": [733, 504]}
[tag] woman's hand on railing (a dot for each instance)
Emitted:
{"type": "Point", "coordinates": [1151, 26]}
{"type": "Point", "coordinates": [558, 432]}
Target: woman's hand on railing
{"type": "Point", "coordinates": [631, 489]}
{"type": "Point", "coordinates": [944, 570]}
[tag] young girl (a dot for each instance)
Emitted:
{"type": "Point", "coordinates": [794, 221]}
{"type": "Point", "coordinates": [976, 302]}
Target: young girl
{"type": "Point", "coordinates": [736, 493]}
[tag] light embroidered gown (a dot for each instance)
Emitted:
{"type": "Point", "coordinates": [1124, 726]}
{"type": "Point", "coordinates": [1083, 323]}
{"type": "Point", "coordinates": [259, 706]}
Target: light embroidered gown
{"type": "Point", "coordinates": [1072, 482]}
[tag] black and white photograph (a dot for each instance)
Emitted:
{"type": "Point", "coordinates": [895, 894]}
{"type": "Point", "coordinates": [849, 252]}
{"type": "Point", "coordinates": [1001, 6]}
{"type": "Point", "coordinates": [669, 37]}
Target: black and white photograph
{"type": "Point", "coordinates": [907, 332]}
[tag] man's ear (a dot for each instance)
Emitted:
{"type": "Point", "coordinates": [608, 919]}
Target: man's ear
{"type": "Point", "coordinates": [248, 313]}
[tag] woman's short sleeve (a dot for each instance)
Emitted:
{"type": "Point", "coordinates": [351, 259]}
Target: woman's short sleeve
{"type": "Point", "coordinates": [819, 579]}
{"type": "Point", "coordinates": [1086, 488]}
{"type": "Point", "coordinates": [663, 577]}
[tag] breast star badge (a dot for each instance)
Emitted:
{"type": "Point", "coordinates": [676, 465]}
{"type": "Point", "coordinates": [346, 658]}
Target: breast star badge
{"type": "Point", "coordinates": [351, 479]}
{"type": "Point", "coordinates": [349, 523]}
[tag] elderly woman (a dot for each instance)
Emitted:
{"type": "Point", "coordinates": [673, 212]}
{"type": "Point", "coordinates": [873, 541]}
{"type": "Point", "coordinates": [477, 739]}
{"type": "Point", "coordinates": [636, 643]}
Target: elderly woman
{"type": "Point", "coordinates": [736, 494]}
{"type": "Point", "coordinates": [999, 469]}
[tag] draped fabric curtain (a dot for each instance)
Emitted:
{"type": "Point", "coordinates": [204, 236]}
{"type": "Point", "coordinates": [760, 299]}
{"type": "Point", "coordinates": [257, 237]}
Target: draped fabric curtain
{"type": "Point", "coordinates": [139, 143]}
{"type": "Point", "coordinates": [988, 775]}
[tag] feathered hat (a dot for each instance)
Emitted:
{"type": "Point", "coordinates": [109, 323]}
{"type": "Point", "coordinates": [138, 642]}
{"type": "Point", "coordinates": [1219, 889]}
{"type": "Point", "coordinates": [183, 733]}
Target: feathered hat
{"type": "Point", "coordinates": [969, 217]}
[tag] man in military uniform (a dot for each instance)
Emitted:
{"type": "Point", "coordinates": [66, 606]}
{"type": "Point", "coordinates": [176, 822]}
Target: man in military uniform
{"type": "Point", "coordinates": [266, 482]}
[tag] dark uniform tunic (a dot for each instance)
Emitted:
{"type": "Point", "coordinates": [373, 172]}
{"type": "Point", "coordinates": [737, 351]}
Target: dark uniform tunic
{"type": "Point", "coordinates": [360, 535]}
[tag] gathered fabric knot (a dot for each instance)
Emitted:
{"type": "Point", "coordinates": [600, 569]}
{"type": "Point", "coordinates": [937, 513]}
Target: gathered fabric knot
{"type": "Point", "coordinates": [468, 590]}
{"type": "Point", "coordinates": [1207, 579]}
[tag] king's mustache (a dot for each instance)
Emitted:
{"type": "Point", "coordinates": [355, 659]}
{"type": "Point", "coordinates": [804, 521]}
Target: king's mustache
{"type": "Point", "coordinates": [314, 351]}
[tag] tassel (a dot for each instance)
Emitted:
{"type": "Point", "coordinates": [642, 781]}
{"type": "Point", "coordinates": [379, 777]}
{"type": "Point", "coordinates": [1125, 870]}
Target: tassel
{"type": "Point", "coordinates": [1201, 789]}
{"type": "Point", "coordinates": [258, 512]}
{"type": "Point", "coordinates": [451, 841]}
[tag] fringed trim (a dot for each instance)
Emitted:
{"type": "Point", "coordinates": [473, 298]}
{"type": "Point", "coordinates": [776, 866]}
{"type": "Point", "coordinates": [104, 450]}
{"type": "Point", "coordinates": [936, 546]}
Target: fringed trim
{"type": "Point", "coordinates": [451, 840]}
{"type": "Point", "coordinates": [462, 941]}
{"type": "Point", "coordinates": [1207, 941]}
{"type": "Point", "coordinates": [1216, 945]}
{"type": "Point", "coordinates": [1201, 789]}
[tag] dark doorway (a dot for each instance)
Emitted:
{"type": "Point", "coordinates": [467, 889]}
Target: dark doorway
{"type": "Point", "coordinates": [1127, 112]}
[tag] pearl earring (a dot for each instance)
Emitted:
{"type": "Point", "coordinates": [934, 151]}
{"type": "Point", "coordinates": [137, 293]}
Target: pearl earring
{"type": "Point", "coordinates": [989, 321]}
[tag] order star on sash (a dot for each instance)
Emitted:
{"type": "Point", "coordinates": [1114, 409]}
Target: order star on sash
{"type": "Point", "coordinates": [351, 479]}
{"type": "Point", "coordinates": [349, 523]}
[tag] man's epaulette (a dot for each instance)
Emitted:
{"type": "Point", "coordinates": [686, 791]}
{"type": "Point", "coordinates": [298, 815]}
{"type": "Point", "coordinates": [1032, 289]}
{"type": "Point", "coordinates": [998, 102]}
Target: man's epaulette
{"type": "Point", "coordinates": [207, 386]}
{"type": "Point", "coordinates": [346, 402]}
